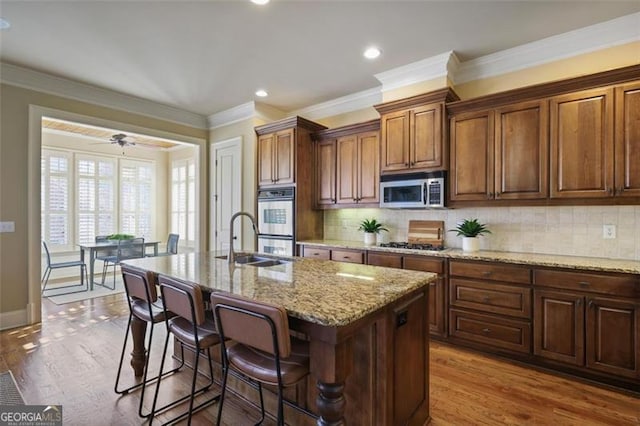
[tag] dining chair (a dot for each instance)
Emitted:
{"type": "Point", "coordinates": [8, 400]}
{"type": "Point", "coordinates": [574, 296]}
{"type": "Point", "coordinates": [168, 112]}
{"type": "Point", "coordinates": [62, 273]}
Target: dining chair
{"type": "Point", "coordinates": [127, 249]}
{"type": "Point", "coordinates": [144, 304]}
{"type": "Point", "coordinates": [84, 279]}
{"type": "Point", "coordinates": [172, 246]}
{"type": "Point", "coordinates": [262, 348]}
{"type": "Point", "coordinates": [102, 254]}
{"type": "Point", "coordinates": [192, 328]}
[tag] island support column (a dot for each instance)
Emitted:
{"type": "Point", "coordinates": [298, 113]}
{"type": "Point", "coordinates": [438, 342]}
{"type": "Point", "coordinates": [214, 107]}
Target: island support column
{"type": "Point", "coordinates": [139, 353]}
{"type": "Point", "coordinates": [331, 363]}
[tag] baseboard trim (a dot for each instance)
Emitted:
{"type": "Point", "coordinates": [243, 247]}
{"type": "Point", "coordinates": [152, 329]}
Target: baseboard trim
{"type": "Point", "coordinates": [13, 319]}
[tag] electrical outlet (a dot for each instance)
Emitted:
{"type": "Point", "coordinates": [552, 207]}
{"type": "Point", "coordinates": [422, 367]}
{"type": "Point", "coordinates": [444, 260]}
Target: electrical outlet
{"type": "Point", "coordinates": [608, 232]}
{"type": "Point", "coordinates": [7, 227]}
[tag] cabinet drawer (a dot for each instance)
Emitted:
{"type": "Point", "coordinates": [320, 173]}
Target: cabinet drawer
{"type": "Point", "coordinates": [490, 271]}
{"type": "Point", "coordinates": [316, 253]}
{"type": "Point", "coordinates": [384, 259]}
{"type": "Point", "coordinates": [491, 330]}
{"type": "Point", "coordinates": [614, 285]}
{"type": "Point", "coordinates": [493, 298]}
{"type": "Point", "coordinates": [351, 256]}
{"type": "Point", "coordinates": [422, 263]}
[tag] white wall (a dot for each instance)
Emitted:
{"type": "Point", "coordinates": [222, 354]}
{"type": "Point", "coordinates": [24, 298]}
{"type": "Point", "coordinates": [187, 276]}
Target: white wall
{"type": "Point", "coordinates": [570, 230]}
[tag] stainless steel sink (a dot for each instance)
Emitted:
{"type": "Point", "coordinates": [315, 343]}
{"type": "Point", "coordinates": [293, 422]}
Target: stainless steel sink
{"type": "Point", "coordinates": [253, 260]}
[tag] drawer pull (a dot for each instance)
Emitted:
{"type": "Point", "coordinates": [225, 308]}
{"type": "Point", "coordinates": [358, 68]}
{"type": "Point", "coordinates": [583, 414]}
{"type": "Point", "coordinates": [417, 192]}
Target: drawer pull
{"type": "Point", "coordinates": [432, 284]}
{"type": "Point", "coordinates": [584, 283]}
{"type": "Point", "coordinates": [591, 303]}
{"type": "Point", "coordinates": [486, 330]}
{"type": "Point", "coordinates": [486, 273]}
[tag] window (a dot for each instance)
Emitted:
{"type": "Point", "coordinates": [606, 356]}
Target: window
{"type": "Point", "coordinates": [112, 195]}
{"type": "Point", "coordinates": [136, 198]}
{"type": "Point", "coordinates": [55, 203]}
{"type": "Point", "coordinates": [183, 200]}
{"type": "Point", "coordinates": [96, 182]}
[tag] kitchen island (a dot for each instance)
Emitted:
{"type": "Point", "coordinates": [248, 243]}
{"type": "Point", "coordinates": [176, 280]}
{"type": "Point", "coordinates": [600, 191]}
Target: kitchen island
{"type": "Point", "coordinates": [367, 328]}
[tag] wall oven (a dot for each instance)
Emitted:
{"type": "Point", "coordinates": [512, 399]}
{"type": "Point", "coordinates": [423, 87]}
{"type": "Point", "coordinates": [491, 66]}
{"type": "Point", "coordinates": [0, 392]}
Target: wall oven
{"type": "Point", "coordinates": [276, 221]}
{"type": "Point", "coordinates": [415, 190]}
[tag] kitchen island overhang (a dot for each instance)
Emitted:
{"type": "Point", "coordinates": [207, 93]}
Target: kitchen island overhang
{"type": "Point", "coordinates": [367, 328]}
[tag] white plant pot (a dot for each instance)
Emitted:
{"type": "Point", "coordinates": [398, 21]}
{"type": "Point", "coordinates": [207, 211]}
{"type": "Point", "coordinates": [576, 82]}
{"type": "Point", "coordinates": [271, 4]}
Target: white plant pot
{"type": "Point", "coordinates": [370, 238]}
{"type": "Point", "coordinates": [470, 243]}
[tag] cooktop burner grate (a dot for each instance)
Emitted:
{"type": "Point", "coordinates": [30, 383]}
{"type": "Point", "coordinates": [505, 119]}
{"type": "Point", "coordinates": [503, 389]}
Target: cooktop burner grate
{"type": "Point", "coordinates": [405, 245]}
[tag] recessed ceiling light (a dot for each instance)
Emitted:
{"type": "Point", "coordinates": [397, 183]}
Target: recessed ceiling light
{"type": "Point", "coordinates": [372, 53]}
{"type": "Point", "coordinates": [260, 2]}
{"type": "Point", "coordinates": [4, 24]}
{"type": "Point", "coordinates": [261, 93]}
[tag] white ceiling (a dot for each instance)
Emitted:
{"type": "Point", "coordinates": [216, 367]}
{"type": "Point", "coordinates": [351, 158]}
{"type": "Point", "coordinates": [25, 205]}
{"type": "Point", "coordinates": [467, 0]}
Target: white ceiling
{"type": "Point", "coordinates": [208, 56]}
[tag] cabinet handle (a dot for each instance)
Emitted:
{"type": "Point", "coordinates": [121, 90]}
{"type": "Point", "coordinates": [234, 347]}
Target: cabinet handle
{"type": "Point", "coordinates": [591, 303]}
{"type": "Point", "coordinates": [412, 163]}
{"type": "Point", "coordinates": [497, 195]}
{"type": "Point", "coordinates": [406, 164]}
{"type": "Point", "coordinates": [578, 302]}
{"type": "Point", "coordinates": [486, 330]}
{"type": "Point", "coordinates": [486, 273]}
{"type": "Point", "coordinates": [584, 283]}
{"type": "Point", "coordinates": [333, 200]}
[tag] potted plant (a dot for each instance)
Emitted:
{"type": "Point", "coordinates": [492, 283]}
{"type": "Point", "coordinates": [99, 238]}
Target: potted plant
{"type": "Point", "coordinates": [470, 229]}
{"type": "Point", "coordinates": [119, 237]}
{"type": "Point", "coordinates": [371, 228]}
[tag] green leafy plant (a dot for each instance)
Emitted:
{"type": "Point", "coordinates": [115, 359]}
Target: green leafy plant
{"type": "Point", "coordinates": [470, 228]}
{"type": "Point", "coordinates": [372, 225]}
{"type": "Point", "coordinates": [120, 237]}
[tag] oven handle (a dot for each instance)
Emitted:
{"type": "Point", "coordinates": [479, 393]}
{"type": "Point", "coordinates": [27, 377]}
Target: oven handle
{"type": "Point", "coordinates": [425, 193]}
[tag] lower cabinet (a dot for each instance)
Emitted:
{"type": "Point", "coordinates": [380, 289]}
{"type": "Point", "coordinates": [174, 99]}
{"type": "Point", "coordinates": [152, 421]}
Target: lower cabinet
{"type": "Point", "coordinates": [437, 289]}
{"type": "Point", "coordinates": [333, 253]}
{"type": "Point", "coordinates": [592, 329]}
{"type": "Point", "coordinates": [490, 305]}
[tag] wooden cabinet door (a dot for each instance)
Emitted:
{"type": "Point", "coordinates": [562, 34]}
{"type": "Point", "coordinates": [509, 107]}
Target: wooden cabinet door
{"type": "Point", "coordinates": [284, 166]}
{"type": "Point", "coordinates": [346, 169]}
{"type": "Point", "coordinates": [613, 336]}
{"type": "Point", "coordinates": [394, 141]}
{"type": "Point", "coordinates": [368, 171]}
{"type": "Point", "coordinates": [266, 146]}
{"type": "Point", "coordinates": [521, 144]}
{"type": "Point", "coordinates": [472, 156]}
{"type": "Point", "coordinates": [326, 172]}
{"type": "Point", "coordinates": [627, 140]}
{"type": "Point", "coordinates": [425, 138]}
{"type": "Point", "coordinates": [558, 324]}
{"type": "Point", "coordinates": [581, 135]}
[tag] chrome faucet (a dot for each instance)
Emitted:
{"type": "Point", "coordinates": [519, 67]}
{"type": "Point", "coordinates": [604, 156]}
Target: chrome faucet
{"type": "Point", "coordinates": [232, 254]}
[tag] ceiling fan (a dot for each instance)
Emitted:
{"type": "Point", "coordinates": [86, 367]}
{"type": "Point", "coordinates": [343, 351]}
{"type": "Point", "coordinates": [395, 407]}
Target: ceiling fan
{"type": "Point", "coordinates": [122, 140]}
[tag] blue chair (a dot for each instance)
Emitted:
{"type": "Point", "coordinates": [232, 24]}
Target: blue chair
{"type": "Point", "coordinates": [172, 246]}
{"type": "Point", "coordinates": [84, 279]}
{"type": "Point", "coordinates": [127, 249]}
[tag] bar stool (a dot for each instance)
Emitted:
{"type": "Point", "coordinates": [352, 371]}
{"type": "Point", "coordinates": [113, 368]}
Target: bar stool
{"type": "Point", "coordinates": [192, 328]}
{"type": "Point", "coordinates": [144, 305]}
{"type": "Point", "coordinates": [263, 350]}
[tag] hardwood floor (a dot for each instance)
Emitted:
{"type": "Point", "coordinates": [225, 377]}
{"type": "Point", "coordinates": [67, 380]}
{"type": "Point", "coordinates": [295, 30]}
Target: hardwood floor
{"type": "Point", "coordinates": [71, 359]}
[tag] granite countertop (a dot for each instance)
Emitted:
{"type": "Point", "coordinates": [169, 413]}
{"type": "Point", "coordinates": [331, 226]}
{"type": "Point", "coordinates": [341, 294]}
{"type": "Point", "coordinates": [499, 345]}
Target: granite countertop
{"type": "Point", "coordinates": [321, 292]}
{"type": "Point", "coordinates": [552, 260]}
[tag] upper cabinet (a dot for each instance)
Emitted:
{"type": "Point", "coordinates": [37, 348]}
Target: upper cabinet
{"type": "Point", "coordinates": [347, 165]}
{"type": "Point", "coordinates": [284, 151]}
{"type": "Point", "coordinates": [552, 143]}
{"type": "Point", "coordinates": [582, 144]}
{"type": "Point", "coordinates": [500, 153]}
{"type": "Point", "coordinates": [627, 140]}
{"type": "Point", "coordinates": [413, 133]}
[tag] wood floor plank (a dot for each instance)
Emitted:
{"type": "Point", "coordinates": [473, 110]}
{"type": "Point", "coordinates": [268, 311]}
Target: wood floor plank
{"type": "Point", "coordinates": [71, 359]}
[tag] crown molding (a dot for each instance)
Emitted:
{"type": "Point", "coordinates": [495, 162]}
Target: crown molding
{"type": "Point", "coordinates": [26, 78]}
{"type": "Point", "coordinates": [416, 72]}
{"type": "Point", "coordinates": [341, 105]}
{"type": "Point", "coordinates": [615, 32]}
{"type": "Point", "coordinates": [232, 115]}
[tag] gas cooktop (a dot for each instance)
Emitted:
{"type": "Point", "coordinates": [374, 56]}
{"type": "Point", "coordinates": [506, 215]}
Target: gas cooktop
{"type": "Point", "coordinates": [405, 245]}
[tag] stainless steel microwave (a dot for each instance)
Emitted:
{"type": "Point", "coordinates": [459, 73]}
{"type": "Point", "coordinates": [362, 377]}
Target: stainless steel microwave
{"type": "Point", "coordinates": [413, 191]}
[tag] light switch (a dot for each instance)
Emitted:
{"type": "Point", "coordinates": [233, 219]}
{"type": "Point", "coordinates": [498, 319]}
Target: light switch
{"type": "Point", "coordinates": [8, 226]}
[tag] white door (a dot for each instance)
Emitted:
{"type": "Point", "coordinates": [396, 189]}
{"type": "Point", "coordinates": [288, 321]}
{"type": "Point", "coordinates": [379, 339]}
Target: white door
{"type": "Point", "coordinates": [227, 190]}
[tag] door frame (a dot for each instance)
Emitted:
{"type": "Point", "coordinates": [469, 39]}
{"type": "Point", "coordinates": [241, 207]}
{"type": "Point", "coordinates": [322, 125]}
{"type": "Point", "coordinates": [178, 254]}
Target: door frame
{"type": "Point", "coordinates": [214, 147]}
{"type": "Point", "coordinates": [34, 153]}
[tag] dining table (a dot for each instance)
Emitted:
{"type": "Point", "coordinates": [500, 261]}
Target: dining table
{"type": "Point", "coordinates": [94, 248]}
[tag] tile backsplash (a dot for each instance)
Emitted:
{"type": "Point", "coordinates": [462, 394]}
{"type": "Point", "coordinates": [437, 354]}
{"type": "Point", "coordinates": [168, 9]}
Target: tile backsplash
{"type": "Point", "coordinates": [572, 230]}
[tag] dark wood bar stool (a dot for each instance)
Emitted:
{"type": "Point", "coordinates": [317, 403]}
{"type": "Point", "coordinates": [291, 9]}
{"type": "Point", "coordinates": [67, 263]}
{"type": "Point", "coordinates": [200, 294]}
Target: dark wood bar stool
{"type": "Point", "coordinates": [144, 305]}
{"type": "Point", "coordinates": [192, 328]}
{"type": "Point", "coordinates": [263, 349]}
